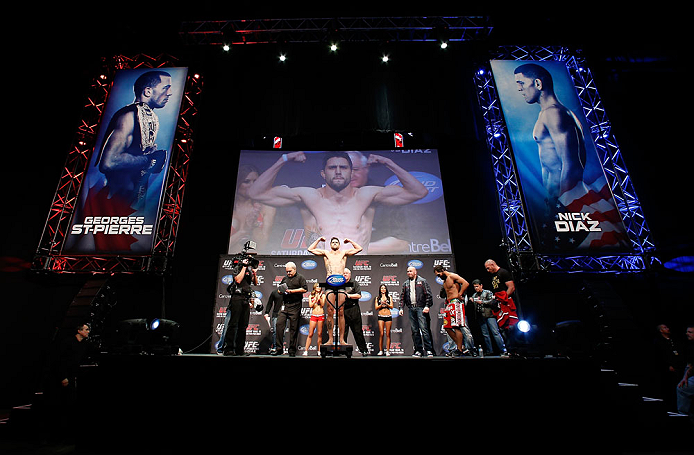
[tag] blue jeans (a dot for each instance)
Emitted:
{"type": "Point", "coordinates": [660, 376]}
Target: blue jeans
{"type": "Point", "coordinates": [684, 398]}
{"type": "Point", "coordinates": [220, 343]}
{"type": "Point", "coordinates": [421, 332]}
{"type": "Point", "coordinates": [273, 330]}
{"type": "Point", "coordinates": [487, 325]}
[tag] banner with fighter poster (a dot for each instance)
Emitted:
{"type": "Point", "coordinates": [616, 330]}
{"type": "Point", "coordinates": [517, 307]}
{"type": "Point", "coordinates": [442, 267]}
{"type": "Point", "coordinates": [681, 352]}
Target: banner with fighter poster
{"type": "Point", "coordinates": [369, 271]}
{"type": "Point", "coordinates": [569, 201]}
{"type": "Point", "coordinates": [118, 207]}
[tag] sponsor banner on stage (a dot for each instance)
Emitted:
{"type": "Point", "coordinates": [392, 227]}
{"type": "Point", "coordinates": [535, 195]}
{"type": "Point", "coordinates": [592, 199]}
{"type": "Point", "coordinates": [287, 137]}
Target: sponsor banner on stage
{"type": "Point", "coordinates": [569, 202]}
{"type": "Point", "coordinates": [118, 206]}
{"type": "Point", "coordinates": [369, 271]}
{"type": "Point", "coordinates": [388, 201]}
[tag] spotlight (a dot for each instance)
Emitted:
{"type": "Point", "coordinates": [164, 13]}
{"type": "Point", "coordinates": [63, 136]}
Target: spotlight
{"type": "Point", "coordinates": [385, 58]}
{"type": "Point", "coordinates": [444, 44]}
{"type": "Point", "coordinates": [524, 340]}
{"type": "Point", "coordinates": [524, 326]}
{"type": "Point", "coordinates": [333, 47]}
{"type": "Point", "coordinates": [283, 57]}
{"type": "Point", "coordinates": [130, 336]}
{"type": "Point", "coordinates": [163, 337]}
{"type": "Point", "coordinates": [226, 48]}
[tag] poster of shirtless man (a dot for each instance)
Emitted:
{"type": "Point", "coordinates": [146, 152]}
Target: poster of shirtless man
{"type": "Point", "coordinates": [314, 194]}
{"type": "Point", "coordinates": [569, 199]}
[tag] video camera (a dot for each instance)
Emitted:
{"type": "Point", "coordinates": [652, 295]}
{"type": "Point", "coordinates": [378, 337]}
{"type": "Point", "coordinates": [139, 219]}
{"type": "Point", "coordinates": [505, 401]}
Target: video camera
{"type": "Point", "coordinates": [246, 258]}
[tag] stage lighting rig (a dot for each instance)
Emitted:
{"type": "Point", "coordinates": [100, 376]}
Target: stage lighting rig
{"type": "Point", "coordinates": [163, 337]}
{"type": "Point", "coordinates": [143, 337]}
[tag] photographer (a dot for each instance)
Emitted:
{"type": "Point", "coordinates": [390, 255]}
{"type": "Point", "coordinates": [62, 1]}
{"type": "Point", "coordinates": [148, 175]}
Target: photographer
{"type": "Point", "coordinates": [239, 309]}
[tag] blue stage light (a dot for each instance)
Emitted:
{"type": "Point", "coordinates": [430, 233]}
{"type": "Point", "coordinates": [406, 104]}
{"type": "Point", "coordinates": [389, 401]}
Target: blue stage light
{"type": "Point", "coordinates": [524, 326]}
{"type": "Point", "coordinates": [681, 264]}
{"type": "Point", "coordinates": [154, 324]}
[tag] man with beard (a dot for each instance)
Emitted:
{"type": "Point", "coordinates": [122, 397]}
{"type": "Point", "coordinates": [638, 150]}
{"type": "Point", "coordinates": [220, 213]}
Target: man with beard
{"type": "Point", "coordinates": [338, 208]}
{"type": "Point", "coordinates": [454, 321]}
{"type": "Point", "coordinates": [292, 287]}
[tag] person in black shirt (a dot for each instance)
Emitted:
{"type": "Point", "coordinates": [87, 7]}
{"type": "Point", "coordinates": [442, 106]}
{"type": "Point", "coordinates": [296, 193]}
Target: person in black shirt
{"type": "Point", "coordinates": [668, 364]}
{"type": "Point", "coordinates": [685, 388]}
{"type": "Point", "coordinates": [61, 381]}
{"type": "Point", "coordinates": [353, 314]}
{"type": "Point", "coordinates": [504, 289]}
{"type": "Point", "coordinates": [239, 308]}
{"type": "Point", "coordinates": [274, 303]}
{"type": "Point", "coordinates": [293, 286]}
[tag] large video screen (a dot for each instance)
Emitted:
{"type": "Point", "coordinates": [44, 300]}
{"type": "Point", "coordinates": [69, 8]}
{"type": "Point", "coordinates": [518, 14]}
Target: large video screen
{"type": "Point", "coordinates": [119, 200]}
{"type": "Point", "coordinates": [386, 201]}
{"type": "Point", "coordinates": [570, 204]}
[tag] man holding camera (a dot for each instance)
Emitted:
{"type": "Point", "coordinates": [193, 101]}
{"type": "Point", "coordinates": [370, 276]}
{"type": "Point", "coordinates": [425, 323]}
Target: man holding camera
{"type": "Point", "coordinates": [239, 308]}
{"type": "Point", "coordinates": [293, 287]}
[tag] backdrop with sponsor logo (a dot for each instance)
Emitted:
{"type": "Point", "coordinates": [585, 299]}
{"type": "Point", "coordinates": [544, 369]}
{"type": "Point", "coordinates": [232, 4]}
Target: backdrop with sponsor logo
{"type": "Point", "coordinates": [569, 201]}
{"type": "Point", "coordinates": [369, 271]}
{"type": "Point", "coordinates": [289, 221]}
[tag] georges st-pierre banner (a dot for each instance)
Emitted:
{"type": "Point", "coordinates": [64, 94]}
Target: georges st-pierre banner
{"type": "Point", "coordinates": [369, 271]}
{"type": "Point", "coordinates": [120, 197]}
{"type": "Point", "coordinates": [387, 201]}
{"type": "Point", "coordinates": [571, 207]}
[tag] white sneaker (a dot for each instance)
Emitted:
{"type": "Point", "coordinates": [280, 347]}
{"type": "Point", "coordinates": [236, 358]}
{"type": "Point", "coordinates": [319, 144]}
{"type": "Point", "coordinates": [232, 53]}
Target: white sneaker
{"type": "Point", "coordinates": [387, 353]}
{"type": "Point", "coordinates": [380, 353]}
{"type": "Point", "coordinates": [430, 354]}
{"type": "Point", "coordinates": [305, 354]}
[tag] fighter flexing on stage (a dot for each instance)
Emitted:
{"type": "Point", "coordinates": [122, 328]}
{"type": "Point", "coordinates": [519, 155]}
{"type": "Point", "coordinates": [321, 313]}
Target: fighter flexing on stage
{"type": "Point", "coordinates": [335, 262]}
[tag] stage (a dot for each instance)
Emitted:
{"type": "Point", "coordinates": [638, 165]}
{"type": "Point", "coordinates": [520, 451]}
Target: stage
{"type": "Point", "coordinates": [164, 401]}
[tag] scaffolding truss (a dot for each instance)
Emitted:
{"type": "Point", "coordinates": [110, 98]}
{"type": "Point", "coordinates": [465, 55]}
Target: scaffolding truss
{"type": "Point", "coordinates": [48, 256]}
{"type": "Point", "coordinates": [517, 237]}
{"type": "Point", "coordinates": [344, 29]}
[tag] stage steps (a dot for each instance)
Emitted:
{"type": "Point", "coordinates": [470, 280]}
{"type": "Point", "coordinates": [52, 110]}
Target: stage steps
{"type": "Point", "coordinates": [636, 414]}
{"type": "Point", "coordinates": [23, 422]}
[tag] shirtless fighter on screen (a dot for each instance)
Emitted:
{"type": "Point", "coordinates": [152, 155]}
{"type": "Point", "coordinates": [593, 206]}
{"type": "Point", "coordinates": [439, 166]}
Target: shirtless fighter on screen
{"type": "Point", "coordinates": [338, 208]}
{"type": "Point", "coordinates": [335, 262]}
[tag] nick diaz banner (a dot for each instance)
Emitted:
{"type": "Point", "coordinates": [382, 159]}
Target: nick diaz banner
{"type": "Point", "coordinates": [570, 204]}
{"type": "Point", "coordinates": [369, 271]}
{"type": "Point", "coordinates": [119, 201]}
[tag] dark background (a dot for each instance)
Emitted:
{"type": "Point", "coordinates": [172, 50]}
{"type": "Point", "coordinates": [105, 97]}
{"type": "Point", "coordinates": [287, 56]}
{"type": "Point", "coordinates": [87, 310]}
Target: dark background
{"type": "Point", "coordinates": [320, 101]}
